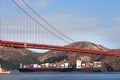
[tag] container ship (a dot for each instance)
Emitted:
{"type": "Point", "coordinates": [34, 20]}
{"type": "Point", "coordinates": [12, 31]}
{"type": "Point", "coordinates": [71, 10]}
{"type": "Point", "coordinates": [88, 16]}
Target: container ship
{"type": "Point", "coordinates": [80, 66]}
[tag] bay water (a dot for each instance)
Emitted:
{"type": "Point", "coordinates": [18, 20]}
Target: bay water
{"type": "Point", "coordinates": [61, 76]}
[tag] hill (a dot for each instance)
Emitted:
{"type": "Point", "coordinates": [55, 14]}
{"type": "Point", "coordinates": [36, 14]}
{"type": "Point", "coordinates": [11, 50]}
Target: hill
{"type": "Point", "coordinates": [109, 62]}
{"type": "Point", "coordinates": [10, 58]}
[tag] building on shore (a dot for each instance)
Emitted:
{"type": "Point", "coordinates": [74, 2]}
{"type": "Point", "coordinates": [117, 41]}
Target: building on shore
{"type": "Point", "coordinates": [3, 72]}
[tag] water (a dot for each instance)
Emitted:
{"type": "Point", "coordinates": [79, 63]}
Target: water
{"type": "Point", "coordinates": [62, 76]}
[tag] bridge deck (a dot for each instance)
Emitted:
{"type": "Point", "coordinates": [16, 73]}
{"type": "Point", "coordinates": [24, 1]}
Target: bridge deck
{"type": "Point", "coordinates": [54, 47]}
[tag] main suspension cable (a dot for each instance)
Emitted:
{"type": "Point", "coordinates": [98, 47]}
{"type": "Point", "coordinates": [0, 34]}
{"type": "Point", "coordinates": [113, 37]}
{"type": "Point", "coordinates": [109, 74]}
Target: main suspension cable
{"type": "Point", "coordinates": [37, 21]}
{"type": "Point", "coordinates": [46, 20]}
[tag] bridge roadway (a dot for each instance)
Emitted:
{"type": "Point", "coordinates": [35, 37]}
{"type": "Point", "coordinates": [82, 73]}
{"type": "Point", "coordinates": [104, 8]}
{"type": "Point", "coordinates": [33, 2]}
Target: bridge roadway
{"type": "Point", "coordinates": [54, 47]}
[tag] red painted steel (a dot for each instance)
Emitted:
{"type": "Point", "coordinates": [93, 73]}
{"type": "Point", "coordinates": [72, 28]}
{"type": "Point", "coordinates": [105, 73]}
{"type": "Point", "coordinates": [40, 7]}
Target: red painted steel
{"type": "Point", "coordinates": [45, 46]}
{"type": "Point", "coordinates": [54, 47]}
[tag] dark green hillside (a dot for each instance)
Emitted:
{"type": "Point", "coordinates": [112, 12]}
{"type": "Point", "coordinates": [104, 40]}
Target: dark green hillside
{"type": "Point", "coordinates": [55, 59]}
{"type": "Point", "coordinates": [10, 58]}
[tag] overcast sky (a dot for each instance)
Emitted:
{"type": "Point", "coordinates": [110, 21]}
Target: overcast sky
{"type": "Point", "coordinates": [97, 21]}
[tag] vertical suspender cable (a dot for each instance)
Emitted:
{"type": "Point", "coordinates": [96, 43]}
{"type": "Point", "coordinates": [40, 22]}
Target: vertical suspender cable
{"type": "Point", "coordinates": [38, 22]}
{"type": "Point", "coordinates": [33, 31]}
{"type": "Point", "coordinates": [14, 26]}
{"type": "Point", "coordinates": [46, 21]}
{"type": "Point", "coordinates": [27, 28]}
{"type": "Point", "coordinates": [1, 19]}
{"type": "Point", "coordinates": [30, 30]}
{"type": "Point", "coordinates": [20, 22]}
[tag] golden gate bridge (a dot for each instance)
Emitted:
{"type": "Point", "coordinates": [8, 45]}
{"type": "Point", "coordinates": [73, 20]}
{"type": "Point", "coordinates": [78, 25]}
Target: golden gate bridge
{"type": "Point", "coordinates": [22, 27]}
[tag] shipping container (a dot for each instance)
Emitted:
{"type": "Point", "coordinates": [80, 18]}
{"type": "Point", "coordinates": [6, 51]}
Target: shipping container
{"type": "Point", "coordinates": [99, 63]}
{"type": "Point", "coordinates": [70, 66]}
{"type": "Point", "coordinates": [87, 66]}
{"type": "Point", "coordinates": [83, 65]}
{"type": "Point", "coordinates": [35, 65]}
{"type": "Point", "coordinates": [24, 66]}
{"type": "Point", "coordinates": [39, 66]}
{"type": "Point", "coordinates": [99, 66]}
{"type": "Point", "coordinates": [42, 65]}
{"type": "Point", "coordinates": [78, 63]}
{"type": "Point", "coordinates": [47, 65]}
{"type": "Point", "coordinates": [62, 66]}
{"type": "Point", "coordinates": [66, 65]}
{"type": "Point", "coordinates": [58, 66]}
{"type": "Point", "coordinates": [54, 65]}
{"type": "Point", "coordinates": [91, 64]}
{"type": "Point", "coordinates": [95, 62]}
{"type": "Point", "coordinates": [27, 67]}
{"type": "Point", "coordinates": [95, 66]}
{"type": "Point", "coordinates": [31, 67]}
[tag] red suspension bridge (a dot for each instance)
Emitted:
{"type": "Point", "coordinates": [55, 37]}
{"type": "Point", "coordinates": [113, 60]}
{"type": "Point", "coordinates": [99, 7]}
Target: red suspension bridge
{"type": "Point", "coordinates": [21, 26]}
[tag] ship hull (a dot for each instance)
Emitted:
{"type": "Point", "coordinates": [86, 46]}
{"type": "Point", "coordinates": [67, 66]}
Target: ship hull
{"type": "Point", "coordinates": [59, 70]}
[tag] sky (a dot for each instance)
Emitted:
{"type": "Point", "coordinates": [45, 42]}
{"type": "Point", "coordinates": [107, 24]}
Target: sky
{"type": "Point", "coordinates": [97, 21]}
